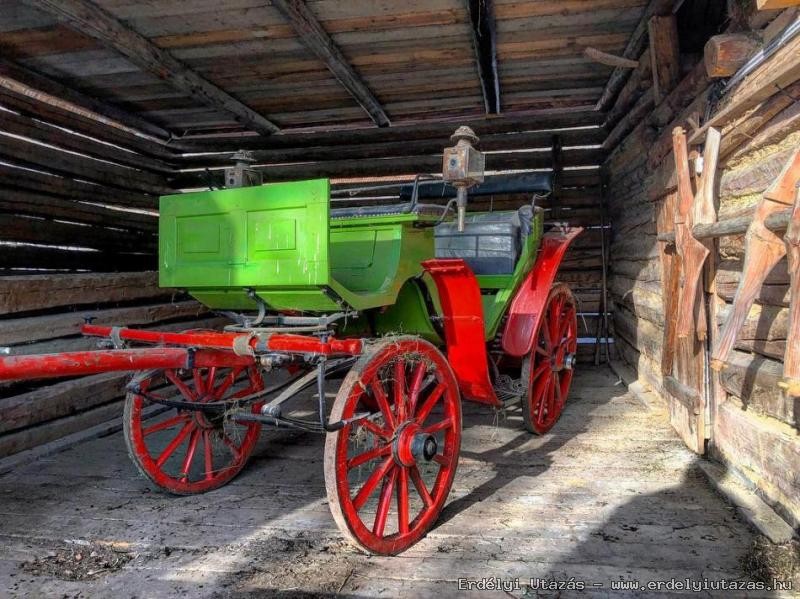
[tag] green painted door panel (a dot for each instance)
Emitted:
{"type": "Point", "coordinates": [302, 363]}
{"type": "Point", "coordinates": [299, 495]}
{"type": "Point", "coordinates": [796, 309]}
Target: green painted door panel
{"type": "Point", "coordinates": [272, 235]}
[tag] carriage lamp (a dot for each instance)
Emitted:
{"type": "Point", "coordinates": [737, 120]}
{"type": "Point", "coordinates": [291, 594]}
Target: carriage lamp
{"type": "Point", "coordinates": [462, 167]}
{"type": "Point", "coordinates": [241, 174]}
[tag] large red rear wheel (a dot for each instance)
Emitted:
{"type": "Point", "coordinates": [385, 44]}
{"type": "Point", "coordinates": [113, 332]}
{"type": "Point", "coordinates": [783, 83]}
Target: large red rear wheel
{"type": "Point", "coordinates": [184, 451]}
{"type": "Point", "coordinates": [388, 476]}
{"type": "Point", "coordinates": [547, 372]}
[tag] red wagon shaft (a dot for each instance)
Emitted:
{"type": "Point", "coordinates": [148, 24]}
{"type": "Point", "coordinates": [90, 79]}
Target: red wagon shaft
{"type": "Point", "coordinates": [201, 350]}
{"type": "Point", "coordinates": [95, 362]}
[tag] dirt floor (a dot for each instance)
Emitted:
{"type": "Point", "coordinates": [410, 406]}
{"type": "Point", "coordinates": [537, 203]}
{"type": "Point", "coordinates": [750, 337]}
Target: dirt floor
{"type": "Point", "coordinates": [609, 495]}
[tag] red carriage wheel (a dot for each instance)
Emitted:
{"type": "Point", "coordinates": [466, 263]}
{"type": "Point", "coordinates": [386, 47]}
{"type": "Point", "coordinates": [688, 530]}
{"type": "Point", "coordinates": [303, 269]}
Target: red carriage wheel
{"type": "Point", "coordinates": [186, 451]}
{"type": "Point", "coordinates": [389, 475]}
{"type": "Point", "coordinates": [547, 372]}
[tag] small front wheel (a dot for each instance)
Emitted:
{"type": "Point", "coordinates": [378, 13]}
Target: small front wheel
{"type": "Point", "coordinates": [547, 372]}
{"type": "Point", "coordinates": [186, 451]}
{"type": "Point", "coordinates": [389, 473]}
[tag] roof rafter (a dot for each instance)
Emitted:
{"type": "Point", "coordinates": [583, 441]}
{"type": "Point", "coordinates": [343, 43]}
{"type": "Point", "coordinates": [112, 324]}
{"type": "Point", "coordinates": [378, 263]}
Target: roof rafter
{"type": "Point", "coordinates": [316, 39]}
{"type": "Point", "coordinates": [92, 20]}
{"type": "Point", "coordinates": [484, 41]}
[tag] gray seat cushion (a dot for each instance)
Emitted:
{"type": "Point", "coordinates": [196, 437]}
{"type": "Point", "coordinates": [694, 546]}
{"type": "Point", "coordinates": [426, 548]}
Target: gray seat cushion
{"type": "Point", "coordinates": [490, 243]}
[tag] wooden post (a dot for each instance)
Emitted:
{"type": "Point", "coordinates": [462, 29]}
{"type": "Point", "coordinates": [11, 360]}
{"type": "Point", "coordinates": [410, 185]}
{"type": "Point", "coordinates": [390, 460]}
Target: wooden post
{"type": "Point", "coordinates": [725, 54]}
{"type": "Point", "coordinates": [665, 58]}
{"type": "Point", "coordinates": [695, 252]}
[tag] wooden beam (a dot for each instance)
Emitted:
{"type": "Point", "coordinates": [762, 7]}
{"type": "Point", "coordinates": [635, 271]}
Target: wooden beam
{"type": "Point", "coordinates": [40, 292]}
{"type": "Point", "coordinates": [15, 331]}
{"type": "Point", "coordinates": [17, 176]}
{"type": "Point", "coordinates": [484, 43]}
{"type": "Point", "coordinates": [38, 257]}
{"type": "Point", "coordinates": [726, 53]}
{"type": "Point", "coordinates": [776, 4]}
{"type": "Point", "coordinates": [90, 19]}
{"type": "Point", "coordinates": [609, 59]}
{"type": "Point", "coordinates": [12, 71]}
{"type": "Point", "coordinates": [379, 167]}
{"type": "Point", "coordinates": [18, 201]}
{"type": "Point", "coordinates": [439, 130]}
{"type": "Point", "coordinates": [490, 142]}
{"type": "Point", "coordinates": [633, 50]}
{"type": "Point", "coordinates": [665, 57]}
{"type": "Point", "coordinates": [316, 39]}
{"type": "Point", "coordinates": [777, 72]}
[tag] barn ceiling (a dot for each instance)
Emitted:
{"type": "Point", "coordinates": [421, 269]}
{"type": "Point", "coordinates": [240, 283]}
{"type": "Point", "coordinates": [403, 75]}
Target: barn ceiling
{"type": "Point", "coordinates": [200, 66]}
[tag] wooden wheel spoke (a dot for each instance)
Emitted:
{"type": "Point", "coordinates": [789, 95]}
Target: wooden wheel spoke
{"type": "Point", "coordinates": [189, 458]}
{"type": "Point", "coordinates": [548, 343]}
{"type": "Point", "coordinates": [379, 394]}
{"type": "Point", "coordinates": [545, 408]}
{"type": "Point", "coordinates": [402, 500]}
{"type": "Point", "coordinates": [182, 387]}
{"type": "Point", "coordinates": [375, 429]}
{"type": "Point", "coordinates": [443, 460]}
{"type": "Point", "coordinates": [165, 424]}
{"type": "Point", "coordinates": [208, 455]}
{"type": "Point", "coordinates": [439, 426]}
{"type": "Point", "coordinates": [210, 379]}
{"type": "Point", "coordinates": [368, 456]}
{"type": "Point", "coordinates": [230, 444]}
{"type": "Point", "coordinates": [399, 387]}
{"type": "Point", "coordinates": [226, 383]}
{"type": "Point", "coordinates": [382, 513]}
{"type": "Point", "coordinates": [173, 445]}
{"type": "Point", "coordinates": [199, 383]}
{"type": "Point", "coordinates": [430, 403]}
{"type": "Point", "coordinates": [419, 483]}
{"type": "Point", "coordinates": [369, 486]}
{"type": "Point", "coordinates": [416, 385]}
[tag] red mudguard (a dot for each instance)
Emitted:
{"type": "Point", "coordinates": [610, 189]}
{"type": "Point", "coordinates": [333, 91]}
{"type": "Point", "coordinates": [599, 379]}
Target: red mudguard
{"type": "Point", "coordinates": [463, 327]}
{"type": "Point", "coordinates": [527, 305]}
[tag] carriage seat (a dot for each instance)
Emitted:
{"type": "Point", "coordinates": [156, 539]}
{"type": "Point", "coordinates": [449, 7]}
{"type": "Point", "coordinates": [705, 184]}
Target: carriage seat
{"type": "Point", "coordinates": [491, 242]}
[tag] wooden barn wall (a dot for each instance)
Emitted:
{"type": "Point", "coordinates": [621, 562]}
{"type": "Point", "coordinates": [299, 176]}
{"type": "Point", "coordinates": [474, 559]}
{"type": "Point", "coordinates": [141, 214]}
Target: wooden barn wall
{"type": "Point", "coordinates": [753, 428]}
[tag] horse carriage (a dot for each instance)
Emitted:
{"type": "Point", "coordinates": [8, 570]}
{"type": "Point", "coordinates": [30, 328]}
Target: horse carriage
{"type": "Point", "coordinates": [411, 311]}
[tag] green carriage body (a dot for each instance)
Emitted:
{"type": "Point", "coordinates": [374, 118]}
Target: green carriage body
{"type": "Point", "coordinates": [279, 241]}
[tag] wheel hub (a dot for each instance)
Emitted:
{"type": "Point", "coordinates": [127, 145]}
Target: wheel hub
{"type": "Point", "coordinates": [411, 444]}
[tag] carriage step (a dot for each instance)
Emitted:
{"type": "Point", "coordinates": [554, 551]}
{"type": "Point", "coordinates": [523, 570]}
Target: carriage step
{"type": "Point", "coordinates": [508, 390]}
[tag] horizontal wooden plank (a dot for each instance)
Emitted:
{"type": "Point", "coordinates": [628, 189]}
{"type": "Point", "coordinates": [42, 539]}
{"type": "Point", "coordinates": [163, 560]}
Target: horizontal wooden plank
{"type": "Point", "coordinates": [401, 166]}
{"type": "Point", "coordinates": [517, 141]}
{"type": "Point", "coordinates": [35, 328]}
{"type": "Point", "coordinates": [60, 400]}
{"type": "Point", "coordinates": [37, 230]}
{"type": "Point", "coordinates": [57, 136]}
{"type": "Point", "coordinates": [16, 201]}
{"type": "Point", "coordinates": [43, 433]}
{"type": "Point", "coordinates": [34, 258]}
{"type": "Point", "coordinates": [543, 121]}
{"type": "Point", "coordinates": [24, 178]}
{"type": "Point", "coordinates": [80, 167]}
{"type": "Point", "coordinates": [40, 292]}
{"type": "Point", "coordinates": [754, 380]}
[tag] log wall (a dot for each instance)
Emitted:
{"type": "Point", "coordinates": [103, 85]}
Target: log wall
{"type": "Point", "coordinates": [752, 428]}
